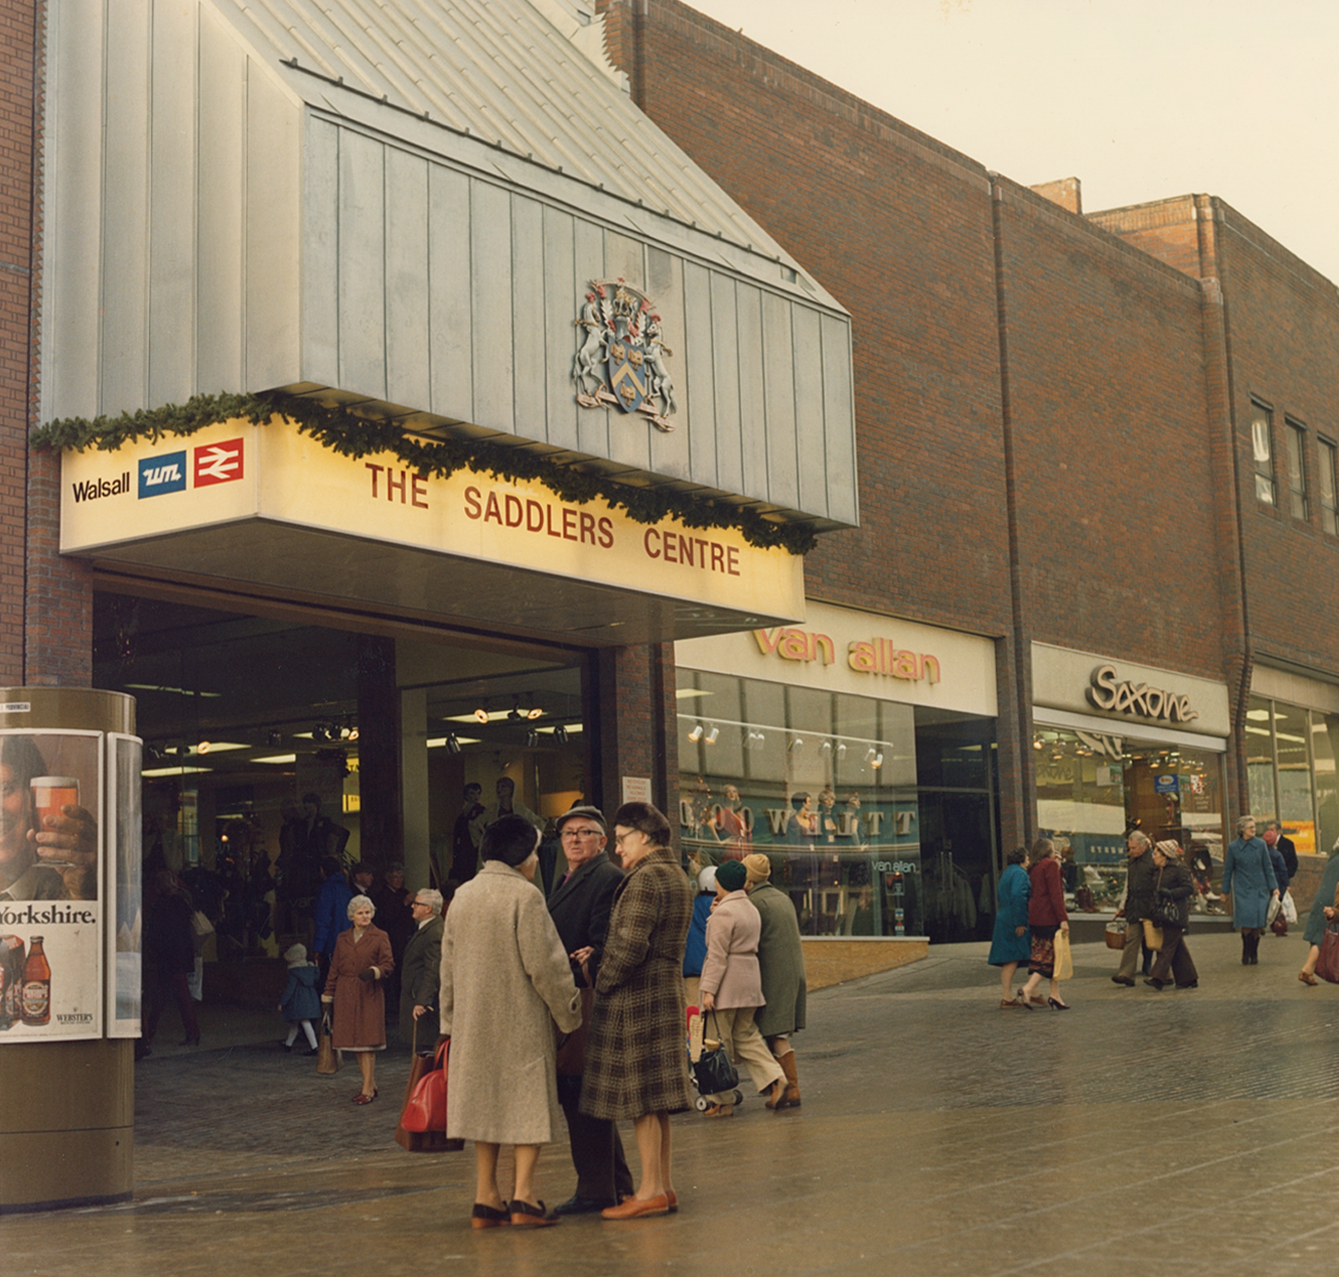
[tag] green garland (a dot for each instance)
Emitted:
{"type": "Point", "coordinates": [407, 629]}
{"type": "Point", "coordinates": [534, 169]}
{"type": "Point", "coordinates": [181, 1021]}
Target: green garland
{"type": "Point", "coordinates": [353, 436]}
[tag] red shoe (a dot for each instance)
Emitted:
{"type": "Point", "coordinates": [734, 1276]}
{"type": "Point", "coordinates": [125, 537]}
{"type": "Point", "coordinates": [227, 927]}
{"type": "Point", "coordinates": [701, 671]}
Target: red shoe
{"type": "Point", "coordinates": [635, 1207]}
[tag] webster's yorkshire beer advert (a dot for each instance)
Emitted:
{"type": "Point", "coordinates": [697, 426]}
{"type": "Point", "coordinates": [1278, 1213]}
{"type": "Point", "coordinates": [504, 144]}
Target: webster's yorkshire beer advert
{"type": "Point", "coordinates": [51, 958]}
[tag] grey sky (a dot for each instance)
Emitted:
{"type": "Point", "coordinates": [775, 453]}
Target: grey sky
{"type": "Point", "coordinates": [1140, 99]}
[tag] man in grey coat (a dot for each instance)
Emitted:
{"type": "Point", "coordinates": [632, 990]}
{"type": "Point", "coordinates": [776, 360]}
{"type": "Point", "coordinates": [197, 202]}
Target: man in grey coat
{"type": "Point", "coordinates": [421, 973]}
{"type": "Point", "coordinates": [579, 907]}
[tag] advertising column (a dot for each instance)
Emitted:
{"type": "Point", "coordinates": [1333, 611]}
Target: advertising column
{"type": "Point", "coordinates": [69, 945]}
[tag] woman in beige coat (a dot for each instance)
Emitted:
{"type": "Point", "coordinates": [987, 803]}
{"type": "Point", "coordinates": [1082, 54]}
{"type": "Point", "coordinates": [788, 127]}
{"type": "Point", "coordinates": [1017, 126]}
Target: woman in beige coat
{"type": "Point", "coordinates": [732, 987]}
{"type": "Point", "coordinates": [505, 981]}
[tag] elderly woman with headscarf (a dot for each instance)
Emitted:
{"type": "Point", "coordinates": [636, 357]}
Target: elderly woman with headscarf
{"type": "Point", "coordinates": [732, 988]}
{"type": "Point", "coordinates": [636, 1064]}
{"type": "Point", "coordinates": [506, 982]}
{"type": "Point", "coordinates": [781, 959]}
{"type": "Point", "coordinates": [353, 990]}
{"type": "Point", "coordinates": [1046, 916]}
{"type": "Point", "coordinates": [1248, 877]}
{"type": "Point", "coordinates": [1172, 889]}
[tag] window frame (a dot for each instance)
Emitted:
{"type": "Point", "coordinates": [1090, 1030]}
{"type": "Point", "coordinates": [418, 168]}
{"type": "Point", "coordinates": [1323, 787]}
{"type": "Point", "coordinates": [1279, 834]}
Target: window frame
{"type": "Point", "coordinates": [1263, 467]}
{"type": "Point", "coordinates": [1328, 471]}
{"type": "Point", "coordinates": [1294, 446]}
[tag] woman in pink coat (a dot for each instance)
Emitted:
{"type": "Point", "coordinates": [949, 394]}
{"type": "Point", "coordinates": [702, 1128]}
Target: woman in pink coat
{"type": "Point", "coordinates": [732, 987]}
{"type": "Point", "coordinates": [361, 962]}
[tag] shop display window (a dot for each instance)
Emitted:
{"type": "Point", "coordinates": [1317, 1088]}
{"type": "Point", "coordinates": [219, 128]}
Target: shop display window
{"type": "Point", "coordinates": [830, 787]}
{"type": "Point", "coordinates": [1290, 757]}
{"type": "Point", "coordinates": [1093, 788]}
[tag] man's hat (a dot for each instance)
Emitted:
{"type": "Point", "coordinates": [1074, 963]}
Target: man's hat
{"type": "Point", "coordinates": [582, 813]}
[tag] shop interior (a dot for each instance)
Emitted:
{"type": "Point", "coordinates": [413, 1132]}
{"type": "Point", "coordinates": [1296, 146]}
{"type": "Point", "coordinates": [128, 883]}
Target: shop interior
{"type": "Point", "coordinates": [243, 717]}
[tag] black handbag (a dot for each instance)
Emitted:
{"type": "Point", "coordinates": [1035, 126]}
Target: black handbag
{"type": "Point", "coordinates": [1166, 912]}
{"type": "Point", "coordinates": [714, 1071]}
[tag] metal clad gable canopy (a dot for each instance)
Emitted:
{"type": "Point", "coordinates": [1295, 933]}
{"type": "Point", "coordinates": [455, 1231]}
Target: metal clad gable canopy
{"type": "Point", "coordinates": [399, 206]}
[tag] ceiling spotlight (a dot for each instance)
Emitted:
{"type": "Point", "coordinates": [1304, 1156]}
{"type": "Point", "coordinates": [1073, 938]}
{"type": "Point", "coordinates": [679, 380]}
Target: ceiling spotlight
{"type": "Point", "coordinates": [353, 733]}
{"type": "Point", "coordinates": [481, 714]}
{"type": "Point", "coordinates": [202, 747]}
{"type": "Point", "coordinates": [534, 712]}
{"type": "Point", "coordinates": [796, 744]}
{"type": "Point", "coordinates": [273, 740]}
{"type": "Point", "coordinates": [826, 747]}
{"type": "Point", "coordinates": [869, 754]}
{"type": "Point", "coordinates": [713, 735]}
{"type": "Point", "coordinates": [696, 734]}
{"type": "Point", "coordinates": [452, 744]}
{"type": "Point", "coordinates": [560, 734]}
{"type": "Point", "coordinates": [877, 761]}
{"type": "Point", "coordinates": [531, 739]}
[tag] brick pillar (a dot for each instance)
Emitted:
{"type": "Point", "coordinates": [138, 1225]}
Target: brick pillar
{"type": "Point", "coordinates": [636, 724]}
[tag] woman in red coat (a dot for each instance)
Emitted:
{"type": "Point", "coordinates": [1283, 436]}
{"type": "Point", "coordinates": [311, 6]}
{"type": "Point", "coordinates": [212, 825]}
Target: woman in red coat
{"type": "Point", "coordinates": [362, 960]}
{"type": "Point", "coordinates": [1046, 916]}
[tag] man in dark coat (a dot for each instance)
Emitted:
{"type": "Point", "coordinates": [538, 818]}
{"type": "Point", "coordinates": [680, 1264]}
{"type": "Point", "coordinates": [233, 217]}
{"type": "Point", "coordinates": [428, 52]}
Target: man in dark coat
{"type": "Point", "coordinates": [580, 906]}
{"type": "Point", "coordinates": [1276, 838]}
{"type": "Point", "coordinates": [1140, 885]}
{"type": "Point", "coordinates": [420, 977]}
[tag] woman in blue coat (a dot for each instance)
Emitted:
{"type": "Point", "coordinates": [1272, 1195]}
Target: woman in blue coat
{"type": "Point", "coordinates": [1249, 878]}
{"type": "Point", "coordinates": [1009, 942]}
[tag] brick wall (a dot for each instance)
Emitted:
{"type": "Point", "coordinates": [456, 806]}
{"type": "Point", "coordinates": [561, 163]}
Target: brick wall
{"type": "Point", "coordinates": [1010, 357]}
{"type": "Point", "coordinates": [17, 25]}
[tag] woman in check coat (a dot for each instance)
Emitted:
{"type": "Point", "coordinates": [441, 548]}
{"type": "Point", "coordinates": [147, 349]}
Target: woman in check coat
{"type": "Point", "coordinates": [636, 1056]}
{"type": "Point", "coordinates": [781, 957]}
{"type": "Point", "coordinates": [1248, 877]}
{"type": "Point", "coordinates": [505, 982]}
{"type": "Point", "coordinates": [361, 961]}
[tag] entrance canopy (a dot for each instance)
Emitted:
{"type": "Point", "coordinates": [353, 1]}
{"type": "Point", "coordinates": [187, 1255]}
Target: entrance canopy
{"type": "Point", "coordinates": [264, 505]}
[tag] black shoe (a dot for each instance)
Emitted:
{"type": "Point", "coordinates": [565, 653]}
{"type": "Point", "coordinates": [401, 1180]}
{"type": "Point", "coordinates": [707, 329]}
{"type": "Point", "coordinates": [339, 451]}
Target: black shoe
{"type": "Point", "coordinates": [583, 1205]}
{"type": "Point", "coordinates": [1154, 984]}
{"type": "Point", "coordinates": [1194, 984]}
{"type": "Point", "coordinates": [1126, 980]}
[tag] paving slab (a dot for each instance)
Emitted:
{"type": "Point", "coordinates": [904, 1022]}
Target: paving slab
{"type": "Point", "coordinates": [1185, 1132]}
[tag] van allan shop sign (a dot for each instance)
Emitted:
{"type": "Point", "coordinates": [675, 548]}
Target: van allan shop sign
{"type": "Point", "coordinates": [864, 656]}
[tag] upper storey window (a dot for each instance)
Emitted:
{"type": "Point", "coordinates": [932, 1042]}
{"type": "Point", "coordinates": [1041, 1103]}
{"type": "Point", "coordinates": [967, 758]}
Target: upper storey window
{"type": "Point", "coordinates": [1295, 435]}
{"type": "Point", "coordinates": [1262, 448]}
{"type": "Point", "coordinates": [1329, 511]}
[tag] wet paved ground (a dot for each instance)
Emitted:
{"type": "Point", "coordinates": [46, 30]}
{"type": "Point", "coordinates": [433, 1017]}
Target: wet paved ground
{"type": "Point", "coordinates": [1182, 1133]}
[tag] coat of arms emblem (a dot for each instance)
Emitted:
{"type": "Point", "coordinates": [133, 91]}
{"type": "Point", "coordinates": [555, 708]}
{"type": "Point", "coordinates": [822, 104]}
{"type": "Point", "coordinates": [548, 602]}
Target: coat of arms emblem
{"type": "Point", "coordinates": [621, 361]}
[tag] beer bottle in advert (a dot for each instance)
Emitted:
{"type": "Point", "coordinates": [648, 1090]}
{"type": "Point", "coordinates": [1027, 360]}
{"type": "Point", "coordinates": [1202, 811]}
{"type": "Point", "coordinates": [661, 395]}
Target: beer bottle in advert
{"type": "Point", "coordinates": [37, 986]}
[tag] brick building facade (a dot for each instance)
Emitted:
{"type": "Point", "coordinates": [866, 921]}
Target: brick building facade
{"type": "Point", "coordinates": [1054, 413]}
{"type": "Point", "coordinates": [1054, 416]}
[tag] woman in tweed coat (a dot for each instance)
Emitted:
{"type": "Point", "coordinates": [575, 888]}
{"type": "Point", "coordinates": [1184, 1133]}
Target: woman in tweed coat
{"type": "Point", "coordinates": [636, 1056]}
